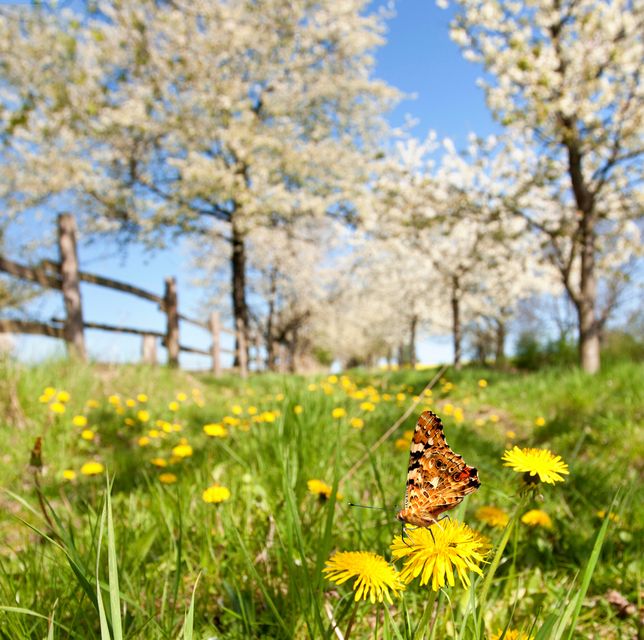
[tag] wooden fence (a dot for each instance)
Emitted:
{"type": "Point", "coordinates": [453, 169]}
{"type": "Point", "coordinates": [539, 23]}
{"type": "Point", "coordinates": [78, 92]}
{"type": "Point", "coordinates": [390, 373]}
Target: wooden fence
{"type": "Point", "coordinates": [65, 276]}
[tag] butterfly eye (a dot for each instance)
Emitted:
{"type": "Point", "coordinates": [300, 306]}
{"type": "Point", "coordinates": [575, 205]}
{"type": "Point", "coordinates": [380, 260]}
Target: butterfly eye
{"type": "Point", "coordinates": [439, 464]}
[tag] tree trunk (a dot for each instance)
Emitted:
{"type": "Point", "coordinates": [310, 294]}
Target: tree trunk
{"type": "Point", "coordinates": [412, 340]}
{"type": "Point", "coordinates": [589, 347]}
{"type": "Point", "coordinates": [238, 269]}
{"type": "Point", "coordinates": [271, 352]}
{"type": "Point", "coordinates": [456, 322]}
{"type": "Point", "coordinates": [499, 344]}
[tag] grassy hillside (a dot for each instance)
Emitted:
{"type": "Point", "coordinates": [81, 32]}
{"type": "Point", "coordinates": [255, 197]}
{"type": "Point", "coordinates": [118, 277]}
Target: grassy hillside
{"type": "Point", "coordinates": [251, 550]}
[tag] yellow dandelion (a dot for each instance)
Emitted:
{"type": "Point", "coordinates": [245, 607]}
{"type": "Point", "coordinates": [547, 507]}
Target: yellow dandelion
{"type": "Point", "coordinates": [167, 478]}
{"type": "Point", "coordinates": [215, 494]}
{"type": "Point", "coordinates": [114, 400]}
{"type": "Point", "coordinates": [312, 387]}
{"type": "Point", "coordinates": [252, 410]}
{"type": "Point", "coordinates": [322, 490]}
{"type": "Point", "coordinates": [173, 406]}
{"type": "Point", "coordinates": [357, 423]}
{"type": "Point", "coordinates": [297, 409]}
{"type": "Point", "coordinates": [374, 576]}
{"type": "Point", "coordinates": [215, 430]}
{"type": "Point", "coordinates": [279, 397]}
{"type": "Point", "coordinates": [87, 434]}
{"type": "Point", "coordinates": [92, 468]}
{"type": "Point", "coordinates": [400, 397]}
{"type": "Point", "coordinates": [494, 418]}
{"type": "Point", "coordinates": [482, 383]}
{"type": "Point", "coordinates": [537, 518]}
{"type": "Point", "coordinates": [367, 406]}
{"type": "Point", "coordinates": [79, 421]}
{"type": "Point", "coordinates": [613, 517]}
{"type": "Point", "coordinates": [143, 415]}
{"type": "Point", "coordinates": [540, 421]}
{"type": "Point", "coordinates": [143, 441]}
{"type": "Point", "coordinates": [181, 396]}
{"type": "Point", "coordinates": [63, 396]}
{"type": "Point", "coordinates": [69, 474]}
{"type": "Point", "coordinates": [459, 417]}
{"type": "Point", "coordinates": [435, 555]}
{"type": "Point", "coordinates": [448, 409]}
{"type": "Point", "coordinates": [159, 462]}
{"type": "Point", "coordinates": [130, 403]}
{"type": "Point", "coordinates": [479, 422]}
{"type": "Point", "coordinates": [154, 433]}
{"type": "Point", "coordinates": [536, 462]}
{"type": "Point", "coordinates": [92, 404]}
{"type": "Point", "coordinates": [231, 421]}
{"type": "Point", "coordinates": [142, 397]}
{"type": "Point", "coordinates": [510, 435]}
{"type": "Point", "coordinates": [57, 407]}
{"type": "Point", "coordinates": [510, 634]}
{"type": "Point", "coordinates": [404, 443]}
{"type": "Point", "coordinates": [492, 516]}
{"type": "Point", "coordinates": [182, 451]}
{"type": "Point", "coordinates": [269, 416]}
{"type": "Point", "coordinates": [339, 412]}
{"type": "Point", "coordinates": [237, 409]}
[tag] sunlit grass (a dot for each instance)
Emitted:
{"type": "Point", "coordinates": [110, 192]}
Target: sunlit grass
{"type": "Point", "coordinates": [228, 498]}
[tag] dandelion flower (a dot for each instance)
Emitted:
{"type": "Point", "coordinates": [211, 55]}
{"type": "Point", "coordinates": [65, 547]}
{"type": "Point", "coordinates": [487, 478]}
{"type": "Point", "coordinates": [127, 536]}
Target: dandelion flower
{"type": "Point", "coordinates": [479, 422]}
{"type": "Point", "coordinates": [63, 396]}
{"type": "Point", "coordinates": [252, 410]}
{"type": "Point", "coordinates": [448, 409]}
{"type": "Point", "coordinates": [494, 418]}
{"type": "Point", "coordinates": [492, 516]}
{"type": "Point", "coordinates": [536, 462]}
{"type": "Point", "coordinates": [400, 397]}
{"type": "Point", "coordinates": [357, 423]}
{"type": "Point", "coordinates": [374, 576]}
{"type": "Point", "coordinates": [510, 435]}
{"type": "Point", "coordinates": [237, 409]}
{"type": "Point", "coordinates": [79, 421]}
{"type": "Point", "coordinates": [167, 478]}
{"type": "Point", "coordinates": [269, 416]}
{"type": "Point", "coordinates": [142, 397]}
{"type": "Point", "coordinates": [459, 417]}
{"type": "Point", "coordinates": [297, 409]}
{"type": "Point", "coordinates": [143, 415]}
{"type": "Point", "coordinates": [215, 430]}
{"type": "Point", "coordinates": [436, 554]}
{"type": "Point", "coordinates": [339, 412]}
{"type": "Point", "coordinates": [173, 406]}
{"type": "Point", "coordinates": [159, 462]}
{"type": "Point", "coordinates": [181, 396]}
{"type": "Point", "coordinates": [279, 397]}
{"type": "Point", "coordinates": [510, 634]}
{"type": "Point", "coordinates": [537, 518]}
{"type": "Point", "coordinates": [92, 404]}
{"type": "Point", "coordinates": [182, 451]}
{"type": "Point", "coordinates": [215, 494]}
{"type": "Point", "coordinates": [540, 421]}
{"type": "Point", "coordinates": [613, 517]}
{"type": "Point", "coordinates": [322, 489]}
{"type": "Point", "coordinates": [367, 406]}
{"type": "Point", "coordinates": [143, 441]}
{"type": "Point", "coordinates": [69, 474]}
{"type": "Point", "coordinates": [130, 402]}
{"type": "Point", "coordinates": [87, 434]}
{"type": "Point", "coordinates": [482, 383]}
{"type": "Point", "coordinates": [405, 442]}
{"type": "Point", "coordinates": [114, 400]}
{"type": "Point", "coordinates": [57, 407]}
{"type": "Point", "coordinates": [92, 468]}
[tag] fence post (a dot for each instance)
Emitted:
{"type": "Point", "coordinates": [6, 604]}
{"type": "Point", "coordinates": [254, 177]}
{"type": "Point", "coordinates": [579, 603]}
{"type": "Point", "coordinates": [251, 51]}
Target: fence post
{"type": "Point", "coordinates": [149, 349]}
{"type": "Point", "coordinates": [73, 329]}
{"type": "Point", "coordinates": [215, 345]}
{"type": "Point", "coordinates": [241, 349]}
{"type": "Point", "coordinates": [172, 324]}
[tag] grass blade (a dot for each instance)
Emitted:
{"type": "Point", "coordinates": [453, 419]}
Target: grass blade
{"type": "Point", "coordinates": [112, 564]}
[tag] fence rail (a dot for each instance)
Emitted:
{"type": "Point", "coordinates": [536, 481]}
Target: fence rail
{"type": "Point", "coordinates": [65, 276]}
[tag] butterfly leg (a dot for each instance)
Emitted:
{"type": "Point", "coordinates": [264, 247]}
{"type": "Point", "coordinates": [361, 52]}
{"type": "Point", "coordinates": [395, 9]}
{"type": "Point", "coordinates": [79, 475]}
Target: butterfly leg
{"type": "Point", "coordinates": [404, 534]}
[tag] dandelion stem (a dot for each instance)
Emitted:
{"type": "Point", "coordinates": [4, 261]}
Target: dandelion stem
{"type": "Point", "coordinates": [424, 622]}
{"type": "Point", "coordinates": [352, 620]}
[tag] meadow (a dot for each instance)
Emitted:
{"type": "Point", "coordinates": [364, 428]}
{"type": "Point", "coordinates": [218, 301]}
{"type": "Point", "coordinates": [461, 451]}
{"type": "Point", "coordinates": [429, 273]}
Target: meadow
{"type": "Point", "coordinates": [163, 504]}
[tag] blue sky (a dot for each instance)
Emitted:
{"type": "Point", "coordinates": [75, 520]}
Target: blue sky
{"type": "Point", "coordinates": [419, 59]}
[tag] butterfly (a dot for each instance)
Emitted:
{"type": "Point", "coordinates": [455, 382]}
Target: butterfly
{"type": "Point", "coordinates": [437, 478]}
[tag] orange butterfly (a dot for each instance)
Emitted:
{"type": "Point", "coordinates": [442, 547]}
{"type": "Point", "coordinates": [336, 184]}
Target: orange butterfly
{"type": "Point", "coordinates": [437, 479]}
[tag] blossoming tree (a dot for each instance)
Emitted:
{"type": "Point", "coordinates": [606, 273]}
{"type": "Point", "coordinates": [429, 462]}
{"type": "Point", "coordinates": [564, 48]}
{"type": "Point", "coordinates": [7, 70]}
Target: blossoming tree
{"type": "Point", "coordinates": [215, 118]}
{"type": "Point", "coordinates": [565, 77]}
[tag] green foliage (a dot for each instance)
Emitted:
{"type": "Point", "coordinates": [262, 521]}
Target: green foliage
{"type": "Point", "coordinates": [144, 559]}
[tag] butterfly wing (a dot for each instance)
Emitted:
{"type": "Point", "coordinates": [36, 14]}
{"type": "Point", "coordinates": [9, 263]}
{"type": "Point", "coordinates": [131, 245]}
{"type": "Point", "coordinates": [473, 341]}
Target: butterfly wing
{"type": "Point", "coordinates": [437, 479]}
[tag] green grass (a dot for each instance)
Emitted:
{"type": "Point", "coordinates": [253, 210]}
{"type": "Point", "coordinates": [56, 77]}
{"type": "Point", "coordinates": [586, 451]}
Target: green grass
{"type": "Point", "coordinates": [153, 560]}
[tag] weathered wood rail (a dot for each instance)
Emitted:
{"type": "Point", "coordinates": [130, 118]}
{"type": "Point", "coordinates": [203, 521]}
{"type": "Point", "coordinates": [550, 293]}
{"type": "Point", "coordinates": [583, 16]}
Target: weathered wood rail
{"type": "Point", "coordinates": [65, 276]}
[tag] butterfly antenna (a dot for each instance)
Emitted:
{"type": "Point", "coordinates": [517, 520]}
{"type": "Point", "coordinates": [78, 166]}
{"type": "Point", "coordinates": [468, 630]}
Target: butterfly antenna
{"type": "Point", "coordinates": [364, 506]}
